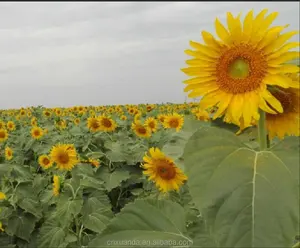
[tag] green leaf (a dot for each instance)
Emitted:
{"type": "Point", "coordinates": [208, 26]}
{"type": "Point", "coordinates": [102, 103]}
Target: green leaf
{"type": "Point", "coordinates": [95, 221]}
{"type": "Point", "coordinates": [51, 235]}
{"type": "Point", "coordinates": [114, 179]}
{"type": "Point", "coordinates": [21, 226]}
{"type": "Point", "coordinates": [67, 208]}
{"type": "Point", "coordinates": [31, 206]}
{"type": "Point", "coordinates": [251, 197]}
{"type": "Point", "coordinates": [145, 220]}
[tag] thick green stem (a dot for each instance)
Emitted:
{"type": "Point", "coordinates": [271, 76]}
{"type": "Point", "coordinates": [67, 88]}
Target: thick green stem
{"type": "Point", "coordinates": [262, 131]}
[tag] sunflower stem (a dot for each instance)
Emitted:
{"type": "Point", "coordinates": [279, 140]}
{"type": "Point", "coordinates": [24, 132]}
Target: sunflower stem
{"type": "Point", "coordinates": [262, 131]}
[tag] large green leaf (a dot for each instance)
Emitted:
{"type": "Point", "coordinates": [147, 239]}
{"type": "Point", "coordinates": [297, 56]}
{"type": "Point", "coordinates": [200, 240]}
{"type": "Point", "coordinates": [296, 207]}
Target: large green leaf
{"type": "Point", "coordinates": [250, 196]}
{"type": "Point", "coordinates": [51, 234]}
{"type": "Point", "coordinates": [21, 225]}
{"type": "Point", "coordinates": [146, 220]}
{"type": "Point", "coordinates": [114, 179]}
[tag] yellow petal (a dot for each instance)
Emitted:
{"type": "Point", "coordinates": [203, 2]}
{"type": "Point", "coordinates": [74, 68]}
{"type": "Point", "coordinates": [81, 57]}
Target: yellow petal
{"type": "Point", "coordinates": [221, 31]}
{"type": "Point", "coordinates": [284, 69]}
{"type": "Point", "coordinates": [203, 90]}
{"type": "Point", "coordinates": [211, 41]}
{"type": "Point", "coordinates": [270, 36]}
{"type": "Point", "coordinates": [248, 21]}
{"type": "Point", "coordinates": [200, 63]}
{"type": "Point", "coordinates": [234, 26]}
{"type": "Point", "coordinates": [198, 86]}
{"type": "Point", "coordinates": [197, 80]}
{"type": "Point", "coordinates": [284, 58]}
{"type": "Point", "coordinates": [268, 21]}
{"type": "Point", "coordinates": [276, 80]}
{"type": "Point", "coordinates": [211, 99]}
{"type": "Point", "coordinates": [264, 106]}
{"type": "Point", "coordinates": [196, 71]}
{"type": "Point", "coordinates": [236, 107]}
{"type": "Point", "coordinates": [273, 102]}
{"type": "Point", "coordinates": [199, 55]}
{"type": "Point", "coordinates": [204, 50]}
{"type": "Point", "coordinates": [283, 50]}
{"type": "Point", "coordinates": [222, 106]}
{"type": "Point", "coordinates": [250, 107]}
{"type": "Point", "coordinates": [279, 41]}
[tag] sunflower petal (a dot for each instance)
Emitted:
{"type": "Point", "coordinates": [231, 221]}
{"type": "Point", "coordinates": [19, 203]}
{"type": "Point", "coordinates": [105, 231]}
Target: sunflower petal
{"type": "Point", "coordinates": [284, 58]}
{"type": "Point", "coordinates": [223, 105]}
{"type": "Point", "coordinates": [274, 103]}
{"type": "Point", "coordinates": [198, 80]}
{"type": "Point", "coordinates": [279, 41]}
{"type": "Point", "coordinates": [221, 31]}
{"type": "Point", "coordinates": [283, 50]}
{"type": "Point", "coordinates": [210, 40]}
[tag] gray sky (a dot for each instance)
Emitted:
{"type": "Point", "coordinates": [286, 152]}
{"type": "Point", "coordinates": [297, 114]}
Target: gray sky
{"type": "Point", "coordinates": [96, 53]}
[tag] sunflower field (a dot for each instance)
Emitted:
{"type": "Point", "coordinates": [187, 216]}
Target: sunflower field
{"type": "Point", "coordinates": [220, 173]}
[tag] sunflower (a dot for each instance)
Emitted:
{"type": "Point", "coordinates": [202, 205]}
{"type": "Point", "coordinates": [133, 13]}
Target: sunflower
{"type": "Point", "coordinates": [33, 122]}
{"type": "Point", "coordinates": [163, 171]}
{"type": "Point", "coordinates": [2, 124]}
{"type": "Point", "coordinates": [37, 132]}
{"type": "Point", "coordinates": [56, 185]}
{"type": "Point", "coordinates": [61, 124]}
{"type": "Point", "coordinates": [286, 123]}
{"type": "Point", "coordinates": [174, 121]}
{"type": "Point", "coordinates": [107, 124]}
{"type": "Point", "coordinates": [152, 124]}
{"type": "Point", "coordinates": [234, 73]}
{"type": "Point", "coordinates": [161, 118]}
{"type": "Point", "coordinates": [45, 161]}
{"type": "Point", "coordinates": [3, 135]}
{"type": "Point", "coordinates": [8, 153]}
{"type": "Point", "coordinates": [2, 196]}
{"type": "Point", "coordinates": [140, 130]}
{"type": "Point", "coordinates": [123, 117]}
{"type": "Point", "coordinates": [47, 113]}
{"type": "Point", "coordinates": [93, 124]}
{"type": "Point", "coordinates": [11, 126]}
{"type": "Point", "coordinates": [76, 121]}
{"type": "Point", "coordinates": [64, 155]}
{"type": "Point", "coordinates": [1, 228]}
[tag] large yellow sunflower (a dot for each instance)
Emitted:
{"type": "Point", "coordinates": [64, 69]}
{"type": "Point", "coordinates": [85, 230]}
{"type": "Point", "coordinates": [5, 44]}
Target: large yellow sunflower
{"type": "Point", "coordinates": [64, 155]}
{"type": "Point", "coordinates": [141, 130]}
{"type": "Point", "coordinates": [286, 123]}
{"type": "Point", "coordinates": [11, 126]}
{"type": "Point", "coordinates": [8, 153]}
{"type": "Point", "coordinates": [152, 124]}
{"type": "Point", "coordinates": [37, 132]}
{"type": "Point", "coordinates": [174, 120]}
{"type": "Point", "coordinates": [107, 124]}
{"type": "Point", "coordinates": [45, 161]}
{"type": "Point", "coordinates": [163, 171]}
{"type": "Point", "coordinates": [234, 72]}
{"type": "Point", "coordinates": [3, 135]}
{"type": "Point", "coordinates": [93, 124]}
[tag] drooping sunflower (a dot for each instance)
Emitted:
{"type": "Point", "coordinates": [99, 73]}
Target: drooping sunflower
{"type": "Point", "coordinates": [163, 171]}
{"type": "Point", "coordinates": [37, 132]}
{"type": "Point", "coordinates": [107, 124]}
{"type": "Point", "coordinates": [141, 130]}
{"type": "Point", "coordinates": [152, 124]}
{"type": "Point", "coordinates": [11, 126]}
{"type": "Point", "coordinates": [64, 155]}
{"type": "Point", "coordinates": [174, 120]}
{"type": "Point", "coordinates": [56, 185]}
{"type": "Point", "coordinates": [45, 161]}
{"type": "Point", "coordinates": [8, 153]}
{"type": "Point", "coordinates": [286, 123]}
{"type": "Point", "coordinates": [3, 135]}
{"type": "Point", "coordinates": [93, 124]}
{"type": "Point", "coordinates": [234, 73]}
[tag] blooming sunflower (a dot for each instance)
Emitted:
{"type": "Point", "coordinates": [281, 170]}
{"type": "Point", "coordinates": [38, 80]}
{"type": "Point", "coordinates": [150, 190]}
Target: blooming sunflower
{"type": "Point", "coordinates": [2, 124]}
{"type": "Point", "coordinates": [45, 161]}
{"type": "Point", "coordinates": [123, 117]}
{"type": "Point", "coordinates": [56, 185]}
{"type": "Point", "coordinates": [64, 155]}
{"type": "Point", "coordinates": [152, 124]}
{"type": "Point", "coordinates": [234, 73]}
{"type": "Point", "coordinates": [76, 121]}
{"type": "Point", "coordinates": [163, 171]}
{"type": "Point", "coordinates": [107, 124]}
{"type": "Point", "coordinates": [286, 123]}
{"type": "Point", "coordinates": [11, 126]}
{"type": "Point", "coordinates": [8, 153]}
{"type": "Point", "coordinates": [37, 132]}
{"type": "Point", "coordinates": [3, 135]}
{"type": "Point", "coordinates": [174, 121]}
{"type": "Point", "coordinates": [140, 130]}
{"type": "Point", "coordinates": [93, 124]}
{"type": "Point", "coordinates": [202, 115]}
{"type": "Point", "coordinates": [2, 196]}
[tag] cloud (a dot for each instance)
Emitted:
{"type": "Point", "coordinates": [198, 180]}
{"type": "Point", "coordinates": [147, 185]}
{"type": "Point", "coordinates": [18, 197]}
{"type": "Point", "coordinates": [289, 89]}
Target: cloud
{"type": "Point", "coordinates": [65, 53]}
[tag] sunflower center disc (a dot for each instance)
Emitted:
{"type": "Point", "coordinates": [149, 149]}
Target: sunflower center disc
{"type": "Point", "coordinates": [239, 69]}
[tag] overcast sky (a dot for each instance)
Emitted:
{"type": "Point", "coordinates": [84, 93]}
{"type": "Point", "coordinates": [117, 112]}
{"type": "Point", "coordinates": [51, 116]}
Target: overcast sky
{"type": "Point", "coordinates": [95, 53]}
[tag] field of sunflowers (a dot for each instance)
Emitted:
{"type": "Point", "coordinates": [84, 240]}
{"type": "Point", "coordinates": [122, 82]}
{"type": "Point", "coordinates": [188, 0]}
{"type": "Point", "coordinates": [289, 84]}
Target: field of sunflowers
{"type": "Point", "coordinates": [220, 173]}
